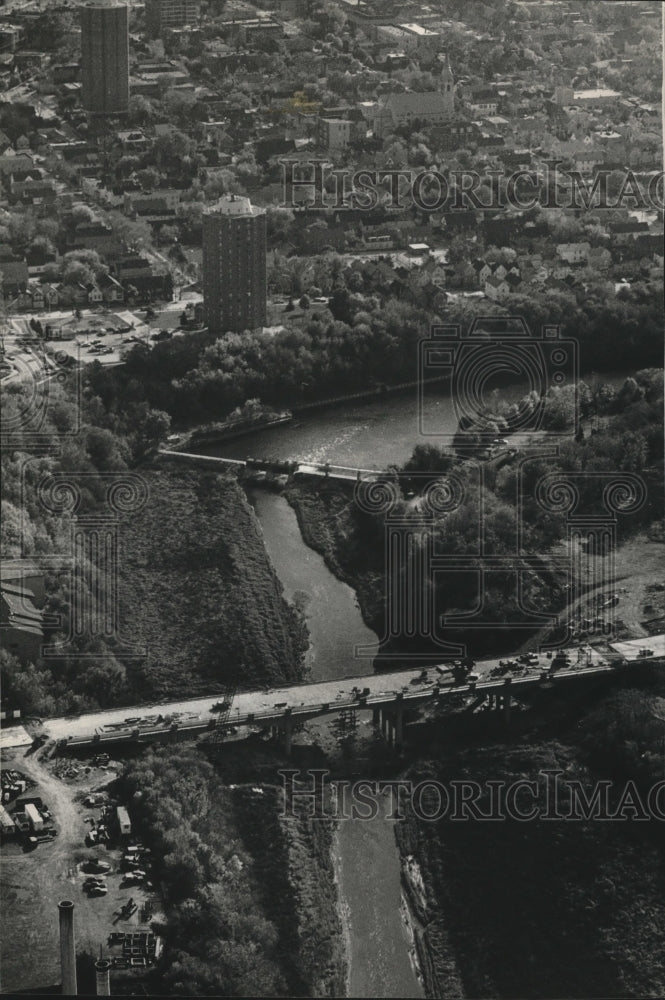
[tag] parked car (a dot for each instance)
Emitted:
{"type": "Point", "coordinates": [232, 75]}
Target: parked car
{"type": "Point", "coordinates": [97, 867]}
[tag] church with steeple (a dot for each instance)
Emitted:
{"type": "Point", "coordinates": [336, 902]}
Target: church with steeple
{"type": "Point", "coordinates": [433, 107]}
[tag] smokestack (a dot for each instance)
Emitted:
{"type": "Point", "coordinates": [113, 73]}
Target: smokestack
{"type": "Point", "coordinates": [102, 967]}
{"type": "Point", "coordinates": [67, 948]}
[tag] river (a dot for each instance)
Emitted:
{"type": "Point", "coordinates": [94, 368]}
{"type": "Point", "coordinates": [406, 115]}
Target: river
{"type": "Point", "coordinates": [368, 434]}
{"type": "Point", "coordinates": [359, 435]}
{"type": "Point", "coordinates": [380, 949]}
{"type": "Point", "coordinates": [336, 627]}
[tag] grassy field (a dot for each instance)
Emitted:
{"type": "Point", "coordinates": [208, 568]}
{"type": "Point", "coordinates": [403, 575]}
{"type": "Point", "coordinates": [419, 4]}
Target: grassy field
{"type": "Point", "coordinates": [198, 593]}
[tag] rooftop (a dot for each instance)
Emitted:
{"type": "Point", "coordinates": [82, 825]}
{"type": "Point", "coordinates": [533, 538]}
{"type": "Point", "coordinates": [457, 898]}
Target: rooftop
{"type": "Point", "coordinates": [231, 204]}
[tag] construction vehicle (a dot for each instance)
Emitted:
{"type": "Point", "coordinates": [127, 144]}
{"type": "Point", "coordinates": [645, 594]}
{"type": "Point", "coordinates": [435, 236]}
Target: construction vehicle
{"type": "Point", "coordinates": [223, 710]}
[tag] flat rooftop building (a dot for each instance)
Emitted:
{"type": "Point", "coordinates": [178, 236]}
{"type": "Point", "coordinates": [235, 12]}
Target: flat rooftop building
{"type": "Point", "coordinates": [161, 15]}
{"type": "Point", "coordinates": [105, 57]}
{"type": "Point", "coordinates": [234, 266]}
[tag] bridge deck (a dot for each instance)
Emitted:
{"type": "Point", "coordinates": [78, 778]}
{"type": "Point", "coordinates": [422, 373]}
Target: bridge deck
{"type": "Point", "coordinates": [309, 700]}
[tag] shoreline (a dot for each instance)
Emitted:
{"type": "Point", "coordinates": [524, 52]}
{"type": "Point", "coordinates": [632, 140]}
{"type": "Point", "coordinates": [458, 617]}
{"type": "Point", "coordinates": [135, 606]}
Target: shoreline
{"type": "Point", "coordinates": [343, 911]}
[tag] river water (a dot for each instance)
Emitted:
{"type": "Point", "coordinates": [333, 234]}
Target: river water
{"type": "Point", "coordinates": [380, 947]}
{"type": "Point", "coordinates": [379, 951]}
{"type": "Point", "coordinates": [336, 627]}
{"type": "Point", "coordinates": [366, 435]}
{"type": "Point", "coordinates": [358, 435]}
{"type": "Point", "coordinates": [372, 434]}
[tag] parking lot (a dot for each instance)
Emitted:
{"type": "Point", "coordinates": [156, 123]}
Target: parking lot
{"type": "Point", "coordinates": [32, 883]}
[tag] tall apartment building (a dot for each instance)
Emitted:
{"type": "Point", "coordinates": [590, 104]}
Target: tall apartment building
{"type": "Point", "coordinates": [163, 14]}
{"type": "Point", "coordinates": [234, 266]}
{"type": "Point", "coordinates": [105, 57]}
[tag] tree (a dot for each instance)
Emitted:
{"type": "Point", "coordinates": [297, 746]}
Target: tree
{"type": "Point", "coordinates": [148, 178]}
{"type": "Point", "coordinates": [304, 302]}
{"type": "Point", "coordinates": [141, 110]}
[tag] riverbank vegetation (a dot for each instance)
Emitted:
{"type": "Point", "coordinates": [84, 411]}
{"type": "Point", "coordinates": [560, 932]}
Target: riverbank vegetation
{"type": "Point", "coordinates": [249, 895]}
{"type": "Point", "coordinates": [508, 516]}
{"type": "Point", "coordinates": [199, 605]}
{"type": "Point", "coordinates": [366, 337]}
{"type": "Point", "coordinates": [197, 591]}
{"type": "Point", "coordinates": [570, 908]}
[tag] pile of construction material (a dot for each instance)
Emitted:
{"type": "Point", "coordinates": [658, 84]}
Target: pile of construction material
{"type": "Point", "coordinates": [139, 949]}
{"type": "Point", "coordinates": [13, 784]}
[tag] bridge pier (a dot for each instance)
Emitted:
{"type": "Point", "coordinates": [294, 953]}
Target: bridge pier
{"type": "Point", "coordinates": [507, 700]}
{"type": "Point", "coordinates": [288, 737]}
{"type": "Point", "coordinates": [376, 717]}
{"type": "Point", "coordinates": [399, 726]}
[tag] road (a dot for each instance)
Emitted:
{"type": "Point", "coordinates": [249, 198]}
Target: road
{"type": "Point", "coordinates": [263, 703]}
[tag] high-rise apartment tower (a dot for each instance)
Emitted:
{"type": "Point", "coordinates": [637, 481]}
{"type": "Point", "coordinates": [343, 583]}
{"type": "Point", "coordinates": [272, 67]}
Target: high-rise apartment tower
{"type": "Point", "coordinates": [105, 57]}
{"type": "Point", "coordinates": [234, 265]}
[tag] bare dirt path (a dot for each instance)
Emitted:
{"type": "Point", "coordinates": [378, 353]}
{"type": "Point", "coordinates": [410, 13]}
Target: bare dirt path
{"type": "Point", "coordinates": [32, 884]}
{"type": "Point", "coordinates": [638, 565]}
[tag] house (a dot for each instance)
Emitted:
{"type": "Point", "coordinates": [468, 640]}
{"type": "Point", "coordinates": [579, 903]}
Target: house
{"type": "Point", "coordinates": [496, 289]}
{"type": "Point", "coordinates": [573, 253]}
{"type": "Point", "coordinates": [72, 295]}
{"type": "Point", "coordinates": [483, 102]}
{"type": "Point", "coordinates": [65, 73]}
{"type": "Point", "coordinates": [112, 290]}
{"type": "Point", "coordinates": [482, 270]}
{"type": "Point", "coordinates": [95, 236]}
{"type": "Point", "coordinates": [11, 163]}
{"type": "Point", "coordinates": [95, 295]}
{"type": "Point", "coordinates": [625, 232]}
{"type": "Point", "coordinates": [455, 134]}
{"type": "Point", "coordinates": [142, 281]}
{"type": "Point", "coordinates": [515, 159]}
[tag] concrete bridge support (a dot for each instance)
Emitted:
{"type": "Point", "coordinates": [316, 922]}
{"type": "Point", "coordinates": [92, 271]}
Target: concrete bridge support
{"type": "Point", "coordinates": [507, 698]}
{"type": "Point", "coordinates": [399, 726]}
{"type": "Point", "coordinates": [287, 734]}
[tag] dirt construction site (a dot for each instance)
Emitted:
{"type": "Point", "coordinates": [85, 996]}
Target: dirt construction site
{"type": "Point", "coordinates": [32, 882]}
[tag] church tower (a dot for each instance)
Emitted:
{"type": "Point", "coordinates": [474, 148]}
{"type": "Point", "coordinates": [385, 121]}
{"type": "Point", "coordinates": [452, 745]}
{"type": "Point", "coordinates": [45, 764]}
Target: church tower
{"type": "Point", "coordinates": [447, 87]}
